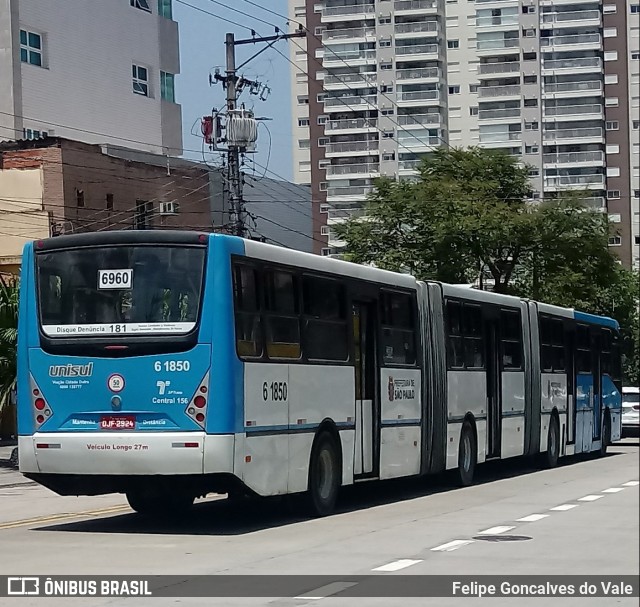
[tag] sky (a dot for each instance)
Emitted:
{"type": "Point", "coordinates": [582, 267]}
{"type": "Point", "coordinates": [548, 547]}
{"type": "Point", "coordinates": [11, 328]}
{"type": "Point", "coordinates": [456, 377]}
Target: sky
{"type": "Point", "coordinates": [202, 49]}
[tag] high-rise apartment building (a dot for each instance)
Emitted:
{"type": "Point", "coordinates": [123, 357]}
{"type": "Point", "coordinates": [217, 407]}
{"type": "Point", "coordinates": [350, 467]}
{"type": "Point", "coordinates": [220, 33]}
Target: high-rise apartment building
{"type": "Point", "coordinates": [554, 82]}
{"type": "Point", "coordinates": [98, 72]}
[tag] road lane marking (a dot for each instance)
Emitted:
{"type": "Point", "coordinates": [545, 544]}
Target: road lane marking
{"type": "Point", "coordinates": [631, 484]}
{"type": "Point", "coordinates": [564, 507]}
{"type": "Point", "coordinates": [454, 545]}
{"type": "Point", "coordinates": [532, 518]}
{"type": "Point", "coordinates": [64, 516]}
{"type": "Point", "coordinates": [324, 591]}
{"type": "Point", "coordinates": [613, 490]}
{"type": "Point", "coordinates": [497, 530]}
{"type": "Point", "coordinates": [590, 498]}
{"type": "Point", "coordinates": [397, 565]}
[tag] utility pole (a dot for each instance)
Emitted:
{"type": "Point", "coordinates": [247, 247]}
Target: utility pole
{"type": "Point", "coordinates": [234, 178]}
{"type": "Point", "coordinates": [241, 127]}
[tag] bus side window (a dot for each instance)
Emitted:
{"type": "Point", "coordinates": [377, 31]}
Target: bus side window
{"type": "Point", "coordinates": [583, 349]}
{"type": "Point", "coordinates": [282, 322]}
{"type": "Point", "coordinates": [249, 342]}
{"type": "Point", "coordinates": [325, 319]}
{"type": "Point", "coordinates": [398, 331]}
{"type": "Point", "coordinates": [511, 339]}
{"type": "Point", "coordinates": [473, 336]}
{"type": "Point", "coordinates": [454, 333]}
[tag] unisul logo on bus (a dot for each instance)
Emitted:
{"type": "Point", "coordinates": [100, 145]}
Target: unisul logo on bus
{"type": "Point", "coordinates": [71, 370]}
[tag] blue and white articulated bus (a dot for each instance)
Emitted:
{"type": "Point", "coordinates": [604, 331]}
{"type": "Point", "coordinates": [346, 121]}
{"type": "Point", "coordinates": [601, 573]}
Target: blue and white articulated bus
{"type": "Point", "coordinates": [168, 365]}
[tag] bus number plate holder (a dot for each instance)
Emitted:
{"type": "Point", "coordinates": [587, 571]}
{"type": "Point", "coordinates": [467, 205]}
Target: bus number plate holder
{"type": "Point", "coordinates": [117, 422]}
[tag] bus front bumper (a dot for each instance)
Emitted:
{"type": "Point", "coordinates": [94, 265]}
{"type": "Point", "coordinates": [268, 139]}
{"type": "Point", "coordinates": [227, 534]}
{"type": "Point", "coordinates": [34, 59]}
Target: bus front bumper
{"type": "Point", "coordinates": [122, 453]}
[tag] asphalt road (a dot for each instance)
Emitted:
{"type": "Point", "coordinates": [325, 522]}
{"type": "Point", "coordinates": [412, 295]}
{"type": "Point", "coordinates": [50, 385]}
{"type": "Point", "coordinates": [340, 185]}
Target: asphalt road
{"type": "Point", "coordinates": [579, 519]}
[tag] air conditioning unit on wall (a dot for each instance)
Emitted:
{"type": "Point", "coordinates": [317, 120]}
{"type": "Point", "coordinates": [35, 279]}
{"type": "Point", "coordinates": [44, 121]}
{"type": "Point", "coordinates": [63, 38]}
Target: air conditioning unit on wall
{"type": "Point", "coordinates": [170, 207]}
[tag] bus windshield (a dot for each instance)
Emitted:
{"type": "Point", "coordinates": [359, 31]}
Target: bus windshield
{"type": "Point", "coordinates": [116, 290]}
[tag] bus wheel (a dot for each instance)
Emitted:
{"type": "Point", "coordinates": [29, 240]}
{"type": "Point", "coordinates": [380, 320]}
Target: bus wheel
{"type": "Point", "coordinates": [324, 475]}
{"type": "Point", "coordinates": [553, 444]}
{"type": "Point", "coordinates": [467, 455]}
{"type": "Point", "coordinates": [158, 504]}
{"type": "Point", "coordinates": [605, 439]}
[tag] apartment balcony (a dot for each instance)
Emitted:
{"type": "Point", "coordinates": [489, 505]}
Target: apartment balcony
{"type": "Point", "coordinates": [595, 202]}
{"type": "Point", "coordinates": [575, 112]}
{"type": "Point", "coordinates": [594, 134]}
{"type": "Point", "coordinates": [351, 125]}
{"type": "Point", "coordinates": [351, 58]}
{"type": "Point", "coordinates": [431, 97]}
{"type": "Point", "coordinates": [348, 193]}
{"type": "Point", "coordinates": [510, 90]}
{"type": "Point", "coordinates": [409, 166]}
{"type": "Point", "coordinates": [567, 43]}
{"type": "Point", "coordinates": [350, 102]}
{"type": "Point", "coordinates": [577, 159]}
{"type": "Point", "coordinates": [571, 89]}
{"type": "Point", "coordinates": [420, 29]}
{"type": "Point", "coordinates": [340, 215]}
{"type": "Point", "coordinates": [508, 22]}
{"type": "Point", "coordinates": [418, 51]}
{"type": "Point", "coordinates": [500, 114]}
{"type": "Point", "coordinates": [596, 181]}
{"type": "Point", "coordinates": [348, 81]}
{"type": "Point", "coordinates": [506, 68]}
{"type": "Point", "coordinates": [572, 19]}
{"type": "Point", "coordinates": [371, 170]}
{"type": "Point", "coordinates": [497, 45]}
{"type": "Point", "coordinates": [499, 2]}
{"type": "Point", "coordinates": [418, 74]}
{"type": "Point", "coordinates": [350, 148]}
{"type": "Point", "coordinates": [577, 65]}
{"type": "Point", "coordinates": [501, 138]}
{"type": "Point", "coordinates": [415, 7]}
{"type": "Point", "coordinates": [352, 12]}
{"type": "Point", "coordinates": [417, 120]}
{"type": "Point", "coordinates": [348, 34]}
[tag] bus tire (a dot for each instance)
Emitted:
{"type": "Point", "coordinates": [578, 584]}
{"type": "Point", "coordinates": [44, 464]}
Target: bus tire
{"type": "Point", "coordinates": [605, 439]}
{"type": "Point", "coordinates": [552, 454]}
{"type": "Point", "coordinates": [467, 455]}
{"type": "Point", "coordinates": [325, 475]}
{"type": "Point", "coordinates": [158, 505]}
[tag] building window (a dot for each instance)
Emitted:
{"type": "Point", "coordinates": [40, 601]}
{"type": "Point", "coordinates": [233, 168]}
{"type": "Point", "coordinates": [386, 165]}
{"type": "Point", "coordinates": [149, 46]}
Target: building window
{"type": "Point", "coordinates": [531, 149]}
{"type": "Point", "coordinates": [609, 32]}
{"type": "Point", "coordinates": [387, 135]}
{"type": "Point", "coordinates": [609, 9]}
{"type": "Point", "coordinates": [530, 103]}
{"type": "Point", "coordinates": [303, 100]}
{"type": "Point", "coordinates": [611, 55]}
{"type": "Point", "coordinates": [140, 80]}
{"type": "Point", "coordinates": [529, 33]}
{"type": "Point", "coordinates": [636, 125]}
{"type": "Point", "coordinates": [634, 8]}
{"type": "Point", "coordinates": [613, 194]}
{"type": "Point", "coordinates": [387, 112]}
{"type": "Point", "coordinates": [636, 194]}
{"type": "Point", "coordinates": [167, 87]}
{"type": "Point", "coordinates": [304, 144]}
{"type": "Point", "coordinates": [528, 10]}
{"type": "Point", "coordinates": [143, 5]}
{"type": "Point", "coordinates": [454, 89]}
{"type": "Point", "coordinates": [531, 126]}
{"type": "Point", "coordinates": [529, 79]}
{"type": "Point", "coordinates": [386, 88]}
{"type": "Point", "coordinates": [324, 208]}
{"type": "Point", "coordinates": [324, 230]}
{"type": "Point", "coordinates": [322, 141]}
{"type": "Point", "coordinates": [384, 43]}
{"type": "Point", "coordinates": [529, 56]}
{"type": "Point", "coordinates": [300, 11]}
{"type": "Point", "coordinates": [612, 125]}
{"type": "Point", "coordinates": [323, 119]}
{"type": "Point", "coordinates": [31, 48]}
{"type": "Point", "coordinates": [33, 134]}
{"type": "Point", "coordinates": [388, 156]}
{"type": "Point", "coordinates": [473, 111]}
{"type": "Point", "coordinates": [165, 9]}
{"type": "Point", "coordinates": [384, 20]}
{"type": "Point", "coordinates": [386, 66]}
{"type": "Point", "coordinates": [323, 163]}
{"type": "Point", "coordinates": [635, 55]}
{"type": "Point", "coordinates": [108, 199]}
{"type": "Point", "coordinates": [473, 88]}
{"type": "Point", "coordinates": [615, 217]}
{"type": "Point", "coordinates": [613, 171]}
{"type": "Point", "coordinates": [304, 166]}
{"type": "Point", "coordinates": [615, 240]}
{"type": "Point", "coordinates": [303, 122]}
{"type": "Point", "coordinates": [453, 43]}
{"type": "Point", "coordinates": [323, 186]}
{"type": "Point", "coordinates": [79, 198]}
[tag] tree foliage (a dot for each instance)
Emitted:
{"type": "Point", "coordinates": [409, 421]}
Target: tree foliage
{"type": "Point", "coordinates": [468, 216]}
{"type": "Point", "coordinates": [8, 337]}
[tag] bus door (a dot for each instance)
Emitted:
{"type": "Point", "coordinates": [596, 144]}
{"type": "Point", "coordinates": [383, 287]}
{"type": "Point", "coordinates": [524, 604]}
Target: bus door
{"type": "Point", "coordinates": [494, 388]}
{"type": "Point", "coordinates": [367, 404]}
{"type": "Point", "coordinates": [596, 347]}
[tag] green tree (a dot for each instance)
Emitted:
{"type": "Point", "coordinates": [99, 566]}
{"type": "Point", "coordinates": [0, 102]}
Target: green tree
{"type": "Point", "coordinates": [469, 214]}
{"type": "Point", "coordinates": [8, 338]}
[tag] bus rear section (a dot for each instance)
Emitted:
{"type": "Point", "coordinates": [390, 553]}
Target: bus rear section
{"type": "Point", "coordinates": [114, 371]}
